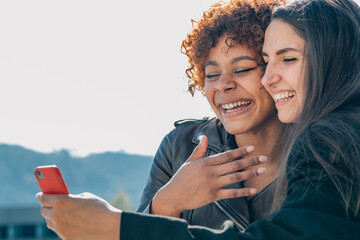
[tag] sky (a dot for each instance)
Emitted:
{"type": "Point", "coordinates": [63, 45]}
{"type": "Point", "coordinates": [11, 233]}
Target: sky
{"type": "Point", "coordinates": [93, 76]}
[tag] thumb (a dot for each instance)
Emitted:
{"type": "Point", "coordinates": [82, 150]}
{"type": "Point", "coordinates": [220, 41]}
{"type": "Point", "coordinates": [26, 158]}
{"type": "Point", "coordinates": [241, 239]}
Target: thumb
{"type": "Point", "coordinates": [48, 200]}
{"type": "Point", "coordinates": [200, 149]}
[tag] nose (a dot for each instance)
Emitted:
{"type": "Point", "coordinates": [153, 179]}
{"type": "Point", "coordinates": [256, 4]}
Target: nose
{"type": "Point", "coordinates": [270, 76]}
{"type": "Point", "coordinates": [225, 83]}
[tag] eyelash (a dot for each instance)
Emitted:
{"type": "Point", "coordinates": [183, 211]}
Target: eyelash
{"type": "Point", "coordinates": [210, 76]}
{"type": "Point", "coordinates": [286, 60]}
{"type": "Point", "coordinates": [289, 59]}
{"type": "Point", "coordinates": [245, 70]}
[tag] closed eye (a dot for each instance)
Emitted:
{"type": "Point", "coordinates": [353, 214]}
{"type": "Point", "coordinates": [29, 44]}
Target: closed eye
{"type": "Point", "coordinates": [212, 76]}
{"type": "Point", "coordinates": [245, 70]}
{"type": "Point", "coordinates": [290, 59]}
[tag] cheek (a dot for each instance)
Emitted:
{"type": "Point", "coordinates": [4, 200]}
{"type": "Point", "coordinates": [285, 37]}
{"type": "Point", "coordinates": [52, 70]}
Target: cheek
{"type": "Point", "coordinates": [254, 87]}
{"type": "Point", "coordinates": [301, 88]}
{"type": "Point", "coordinates": [268, 103]}
{"type": "Point", "coordinates": [209, 94]}
{"type": "Point", "coordinates": [265, 102]}
{"type": "Point", "coordinates": [294, 79]}
{"type": "Point", "coordinates": [296, 82]}
{"type": "Point", "coordinates": [268, 91]}
{"type": "Point", "coordinates": [252, 83]}
{"type": "Point", "coordinates": [256, 80]}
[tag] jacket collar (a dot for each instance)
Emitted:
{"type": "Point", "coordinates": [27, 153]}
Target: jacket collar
{"type": "Point", "coordinates": [219, 140]}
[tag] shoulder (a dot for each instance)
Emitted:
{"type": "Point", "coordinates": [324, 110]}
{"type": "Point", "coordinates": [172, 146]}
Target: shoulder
{"type": "Point", "coordinates": [329, 143]}
{"type": "Point", "coordinates": [189, 129]}
{"type": "Point", "coordinates": [339, 130]}
{"type": "Point", "coordinates": [341, 126]}
{"type": "Point", "coordinates": [324, 165]}
{"type": "Point", "coordinates": [179, 143]}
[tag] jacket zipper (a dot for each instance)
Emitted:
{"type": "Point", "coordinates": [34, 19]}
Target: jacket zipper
{"type": "Point", "coordinates": [239, 225]}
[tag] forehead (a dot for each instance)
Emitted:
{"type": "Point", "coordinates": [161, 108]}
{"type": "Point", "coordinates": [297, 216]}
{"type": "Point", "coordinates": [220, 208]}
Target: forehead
{"type": "Point", "coordinates": [222, 49]}
{"type": "Point", "coordinates": [281, 35]}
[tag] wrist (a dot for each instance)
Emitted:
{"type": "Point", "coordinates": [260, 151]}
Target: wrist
{"type": "Point", "coordinates": [163, 206]}
{"type": "Point", "coordinates": [114, 223]}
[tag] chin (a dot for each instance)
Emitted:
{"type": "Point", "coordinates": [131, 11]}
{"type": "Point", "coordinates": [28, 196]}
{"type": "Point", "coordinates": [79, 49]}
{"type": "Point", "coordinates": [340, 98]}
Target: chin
{"type": "Point", "coordinates": [235, 130]}
{"type": "Point", "coordinates": [286, 118]}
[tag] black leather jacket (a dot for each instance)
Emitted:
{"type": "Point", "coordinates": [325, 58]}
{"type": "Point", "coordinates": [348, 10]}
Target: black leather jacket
{"type": "Point", "coordinates": [174, 150]}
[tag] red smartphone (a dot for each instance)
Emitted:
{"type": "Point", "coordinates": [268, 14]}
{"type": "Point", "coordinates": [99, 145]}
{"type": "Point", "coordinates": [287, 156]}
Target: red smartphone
{"type": "Point", "coordinates": [51, 180]}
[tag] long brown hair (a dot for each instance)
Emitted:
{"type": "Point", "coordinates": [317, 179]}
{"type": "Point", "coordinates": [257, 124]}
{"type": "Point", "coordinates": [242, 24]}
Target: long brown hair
{"type": "Point", "coordinates": [331, 30]}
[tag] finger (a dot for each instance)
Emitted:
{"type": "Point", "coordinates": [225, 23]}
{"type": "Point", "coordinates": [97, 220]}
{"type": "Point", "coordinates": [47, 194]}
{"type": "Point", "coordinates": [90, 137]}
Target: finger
{"type": "Point", "coordinates": [50, 224]}
{"type": "Point", "coordinates": [200, 149]}
{"type": "Point", "coordinates": [239, 164]}
{"type": "Point", "coordinates": [48, 200]}
{"type": "Point", "coordinates": [230, 155]}
{"type": "Point", "coordinates": [46, 212]}
{"type": "Point", "coordinates": [84, 195]}
{"type": "Point", "coordinates": [240, 176]}
{"type": "Point", "coordinates": [234, 193]}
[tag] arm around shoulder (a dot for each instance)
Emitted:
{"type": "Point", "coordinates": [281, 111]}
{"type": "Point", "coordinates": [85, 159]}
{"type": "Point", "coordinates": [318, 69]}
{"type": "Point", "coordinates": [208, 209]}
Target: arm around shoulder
{"type": "Point", "coordinates": [313, 208]}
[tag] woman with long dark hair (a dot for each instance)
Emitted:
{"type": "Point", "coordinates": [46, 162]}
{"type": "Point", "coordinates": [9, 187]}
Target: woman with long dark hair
{"type": "Point", "coordinates": [312, 56]}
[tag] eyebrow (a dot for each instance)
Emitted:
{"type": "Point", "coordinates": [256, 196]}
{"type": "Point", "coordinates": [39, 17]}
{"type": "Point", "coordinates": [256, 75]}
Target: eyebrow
{"type": "Point", "coordinates": [237, 59]}
{"type": "Point", "coordinates": [211, 63]}
{"type": "Point", "coordinates": [242, 58]}
{"type": "Point", "coordinates": [282, 51]}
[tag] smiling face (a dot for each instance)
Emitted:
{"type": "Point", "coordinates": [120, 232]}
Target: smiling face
{"type": "Point", "coordinates": [233, 89]}
{"type": "Point", "coordinates": [283, 53]}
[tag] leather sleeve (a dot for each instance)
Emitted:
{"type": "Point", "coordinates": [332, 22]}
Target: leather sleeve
{"type": "Point", "coordinates": [161, 172]}
{"type": "Point", "coordinates": [313, 208]}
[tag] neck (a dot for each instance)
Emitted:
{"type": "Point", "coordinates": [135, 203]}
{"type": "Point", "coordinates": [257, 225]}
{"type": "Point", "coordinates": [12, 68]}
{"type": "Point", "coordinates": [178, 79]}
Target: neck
{"type": "Point", "coordinates": [262, 139]}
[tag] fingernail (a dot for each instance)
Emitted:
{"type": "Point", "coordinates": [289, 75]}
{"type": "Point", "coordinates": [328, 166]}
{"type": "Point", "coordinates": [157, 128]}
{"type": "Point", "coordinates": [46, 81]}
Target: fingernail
{"type": "Point", "coordinates": [250, 149]}
{"type": "Point", "coordinates": [200, 136]}
{"type": "Point", "coordinates": [261, 170]}
{"type": "Point", "coordinates": [253, 191]}
{"type": "Point", "coordinates": [263, 159]}
{"type": "Point", "coordinates": [38, 196]}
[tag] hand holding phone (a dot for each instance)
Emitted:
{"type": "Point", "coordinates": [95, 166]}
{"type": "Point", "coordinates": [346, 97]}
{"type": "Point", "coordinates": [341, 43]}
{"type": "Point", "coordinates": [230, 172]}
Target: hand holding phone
{"type": "Point", "coordinates": [51, 180]}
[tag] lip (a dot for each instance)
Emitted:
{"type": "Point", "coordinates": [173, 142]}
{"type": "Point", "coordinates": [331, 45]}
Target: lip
{"type": "Point", "coordinates": [281, 91]}
{"type": "Point", "coordinates": [238, 111]}
{"type": "Point", "coordinates": [282, 102]}
{"type": "Point", "coordinates": [220, 103]}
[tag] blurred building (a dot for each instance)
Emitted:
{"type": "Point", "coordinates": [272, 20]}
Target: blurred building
{"type": "Point", "coordinates": [20, 223]}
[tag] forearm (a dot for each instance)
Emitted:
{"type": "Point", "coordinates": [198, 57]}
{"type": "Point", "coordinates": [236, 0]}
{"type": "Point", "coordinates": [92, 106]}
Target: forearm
{"type": "Point", "coordinates": [136, 226]}
{"type": "Point", "coordinates": [115, 222]}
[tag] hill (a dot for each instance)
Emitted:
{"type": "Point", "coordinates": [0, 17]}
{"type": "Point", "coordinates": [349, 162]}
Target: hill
{"type": "Point", "coordinates": [103, 174]}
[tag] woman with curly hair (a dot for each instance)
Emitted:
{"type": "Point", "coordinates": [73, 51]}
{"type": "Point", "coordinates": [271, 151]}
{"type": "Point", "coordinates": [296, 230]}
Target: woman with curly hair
{"type": "Point", "coordinates": [225, 64]}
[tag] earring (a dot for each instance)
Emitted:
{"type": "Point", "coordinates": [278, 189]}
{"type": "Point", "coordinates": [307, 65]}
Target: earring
{"type": "Point", "coordinates": [216, 89]}
{"type": "Point", "coordinates": [261, 88]}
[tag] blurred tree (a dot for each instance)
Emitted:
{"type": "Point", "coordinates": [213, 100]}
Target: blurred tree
{"type": "Point", "coordinates": [121, 200]}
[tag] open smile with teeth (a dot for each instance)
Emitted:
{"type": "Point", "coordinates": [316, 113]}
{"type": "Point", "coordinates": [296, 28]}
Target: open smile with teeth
{"type": "Point", "coordinates": [231, 107]}
{"type": "Point", "coordinates": [283, 96]}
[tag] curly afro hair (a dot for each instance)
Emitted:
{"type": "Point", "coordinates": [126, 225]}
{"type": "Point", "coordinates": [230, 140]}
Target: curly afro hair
{"type": "Point", "coordinates": [244, 21]}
